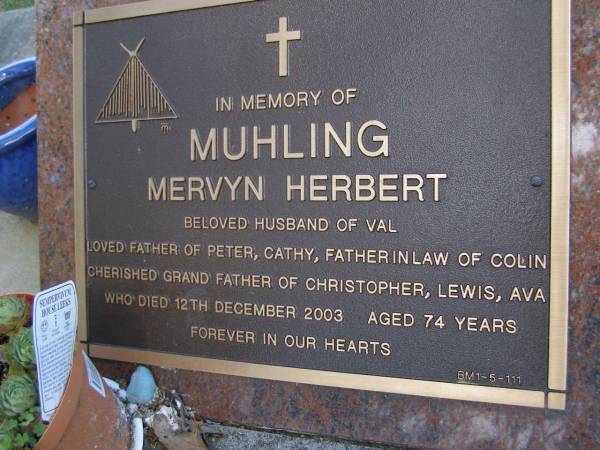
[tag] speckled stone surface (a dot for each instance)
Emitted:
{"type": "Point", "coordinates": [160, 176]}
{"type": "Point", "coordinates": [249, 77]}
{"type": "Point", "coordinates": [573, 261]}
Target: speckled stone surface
{"type": "Point", "coordinates": [373, 417]}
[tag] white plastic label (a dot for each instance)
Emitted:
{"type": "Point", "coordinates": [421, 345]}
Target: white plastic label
{"type": "Point", "coordinates": [54, 328]}
{"type": "Point", "coordinates": [94, 378]}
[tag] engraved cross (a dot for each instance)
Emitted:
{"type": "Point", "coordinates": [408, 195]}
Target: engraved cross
{"type": "Point", "coordinates": [283, 36]}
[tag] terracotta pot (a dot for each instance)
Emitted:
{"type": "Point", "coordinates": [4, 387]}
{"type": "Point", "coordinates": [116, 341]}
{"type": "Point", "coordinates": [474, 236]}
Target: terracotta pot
{"type": "Point", "coordinates": [84, 418]}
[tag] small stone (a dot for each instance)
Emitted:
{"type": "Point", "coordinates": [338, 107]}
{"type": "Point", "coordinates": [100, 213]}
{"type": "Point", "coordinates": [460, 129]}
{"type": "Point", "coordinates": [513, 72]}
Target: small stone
{"type": "Point", "coordinates": [142, 388]}
{"type": "Point", "coordinates": [177, 440]}
{"type": "Point", "coordinates": [149, 421]}
{"type": "Point", "coordinates": [171, 416]}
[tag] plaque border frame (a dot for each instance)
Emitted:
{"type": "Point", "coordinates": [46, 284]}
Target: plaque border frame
{"type": "Point", "coordinates": [554, 397]}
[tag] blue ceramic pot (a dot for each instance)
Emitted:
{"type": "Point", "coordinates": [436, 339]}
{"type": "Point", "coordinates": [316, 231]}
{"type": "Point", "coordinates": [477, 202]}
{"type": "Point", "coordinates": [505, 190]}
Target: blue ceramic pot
{"type": "Point", "coordinates": [18, 165]}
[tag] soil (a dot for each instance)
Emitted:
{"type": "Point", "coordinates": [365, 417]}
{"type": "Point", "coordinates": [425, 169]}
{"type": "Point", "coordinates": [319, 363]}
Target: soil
{"type": "Point", "coordinates": [19, 110]}
{"type": "Point", "coordinates": [151, 442]}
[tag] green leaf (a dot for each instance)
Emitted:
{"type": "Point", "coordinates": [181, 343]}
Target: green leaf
{"type": "Point", "coordinates": [21, 440]}
{"type": "Point", "coordinates": [17, 394]}
{"type": "Point", "coordinates": [7, 433]}
{"type": "Point", "coordinates": [14, 312]}
{"type": "Point", "coordinates": [20, 351]}
{"type": "Point", "coordinates": [9, 424]}
{"type": "Point", "coordinates": [6, 443]}
{"type": "Point", "coordinates": [32, 441]}
{"type": "Point", "coordinates": [38, 429]}
{"type": "Point", "coordinates": [26, 419]}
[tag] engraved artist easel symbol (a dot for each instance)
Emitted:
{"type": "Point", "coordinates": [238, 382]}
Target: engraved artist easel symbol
{"type": "Point", "coordinates": [135, 95]}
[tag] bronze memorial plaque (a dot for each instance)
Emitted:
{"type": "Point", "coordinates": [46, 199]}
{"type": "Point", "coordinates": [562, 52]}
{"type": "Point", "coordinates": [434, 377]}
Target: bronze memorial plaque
{"type": "Point", "coordinates": [368, 194]}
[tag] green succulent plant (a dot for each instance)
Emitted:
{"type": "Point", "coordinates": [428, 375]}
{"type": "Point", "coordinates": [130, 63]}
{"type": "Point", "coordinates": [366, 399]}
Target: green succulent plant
{"type": "Point", "coordinates": [17, 394]}
{"type": "Point", "coordinates": [22, 432]}
{"type": "Point", "coordinates": [6, 435]}
{"type": "Point", "coordinates": [20, 422]}
{"type": "Point", "coordinates": [20, 352]}
{"type": "Point", "coordinates": [14, 313]}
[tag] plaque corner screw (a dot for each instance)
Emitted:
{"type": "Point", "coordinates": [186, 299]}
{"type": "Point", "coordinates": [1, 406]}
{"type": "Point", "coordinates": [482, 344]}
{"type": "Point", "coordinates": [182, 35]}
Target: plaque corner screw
{"type": "Point", "coordinates": [536, 181]}
{"type": "Point", "coordinates": [92, 184]}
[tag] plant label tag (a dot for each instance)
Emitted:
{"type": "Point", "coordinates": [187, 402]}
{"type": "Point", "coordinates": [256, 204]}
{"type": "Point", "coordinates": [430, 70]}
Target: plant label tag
{"type": "Point", "coordinates": [54, 328]}
{"type": "Point", "coordinates": [94, 378]}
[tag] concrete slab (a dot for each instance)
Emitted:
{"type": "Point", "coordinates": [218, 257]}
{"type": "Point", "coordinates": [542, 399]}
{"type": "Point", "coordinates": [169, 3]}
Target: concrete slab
{"type": "Point", "coordinates": [17, 34]}
{"type": "Point", "coordinates": [19, 254]}
{"type": "Point", "coordinates": [234, 438]}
